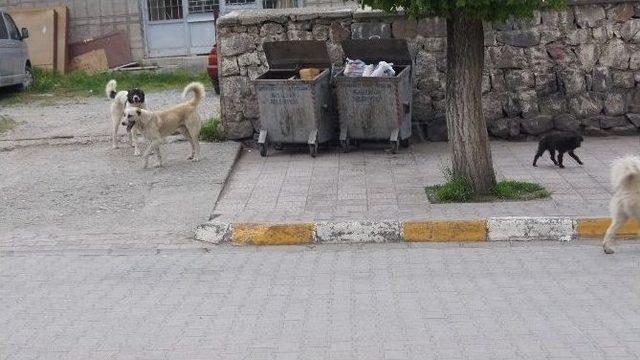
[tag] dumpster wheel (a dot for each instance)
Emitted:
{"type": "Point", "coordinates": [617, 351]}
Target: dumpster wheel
{"type": "Point", "coordinates": [344, 145]}
{"type": "Point", "coordinates": [313, 149]}
{"type": "Point", "coordinates": [395, 145]}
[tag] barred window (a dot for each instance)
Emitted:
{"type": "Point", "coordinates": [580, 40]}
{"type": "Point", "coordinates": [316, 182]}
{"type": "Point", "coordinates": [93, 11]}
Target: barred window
{"type": "Point", "coordinates": [165, 10]}
{"type": "Point", "coordinates": [202, 6]}
{"type": "Point", "coordinates": [239, 2]}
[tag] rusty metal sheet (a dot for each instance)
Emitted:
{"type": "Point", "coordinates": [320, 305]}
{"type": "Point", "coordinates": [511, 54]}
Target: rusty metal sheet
{"type": "Point", "coordinates": [116, 46]}
{"type": "Point", "coordinates": [296, 54]}
{"type": "Point", "coordinates": [372, 51]}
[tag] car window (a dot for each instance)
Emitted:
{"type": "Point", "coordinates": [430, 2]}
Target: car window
{"type": "Point", "coordinates": [13, 29]}
{"type": "Point", "coordinates": [3, 28]}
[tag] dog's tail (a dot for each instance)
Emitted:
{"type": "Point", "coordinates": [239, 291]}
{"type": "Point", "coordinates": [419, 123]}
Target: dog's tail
{"type": "Point", "coordinates": [198, 92]}
{"type": "Point", "coordinates": [111, 89]}
{"type": "Point", "coordinates": [625, 171]}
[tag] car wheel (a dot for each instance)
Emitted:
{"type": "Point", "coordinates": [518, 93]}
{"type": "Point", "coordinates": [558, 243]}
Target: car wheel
{"type": "Point", "coordinates": [29, 77]}
{"type": "Point", "coordinates": [216, 85]}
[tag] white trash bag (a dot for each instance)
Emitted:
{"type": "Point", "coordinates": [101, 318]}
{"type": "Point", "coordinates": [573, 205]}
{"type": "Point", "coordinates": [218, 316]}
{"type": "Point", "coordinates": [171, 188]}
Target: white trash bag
{"type": "Point", "coordinates": [354, 68]}
{"type": "Point", "coordinates": [384, 69]}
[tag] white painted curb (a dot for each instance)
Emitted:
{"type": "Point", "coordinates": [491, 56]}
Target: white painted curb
{"type": "Point", "coordinates": [530, 228]}
{"type": "Point", "coordinates": [358, 232]}
{"type": "Point", "coordinates": [213, 232]}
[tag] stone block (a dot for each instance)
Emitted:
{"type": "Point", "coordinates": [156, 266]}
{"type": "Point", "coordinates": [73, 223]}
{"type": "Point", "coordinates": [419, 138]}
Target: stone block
{"type": "Point", "coordinates": [519, 38]}
{"type": "Point", "coordinates": [615, 54]}
{"type": "Point", "coordinates": [585, 105]}
{"type": "Point", "coordinates": [614, 104]}
{"type": "Point", "coordinates": [602, 79]}
{"type": "Point", "coordinates": [566, 122]}
{"type": "Point", "coordinates": [367, 30]}
{"type": "Point", "coordinates": [634, 119]}
{"type": "Point", "coordinates": [621, 12]}
{"type": "Point", "coordinates": [404, 28]}
{"type": "Point", "coordinates": [633, 101]}
{"type": "Point", "coordinates": [508, 57]}
{"type": "Point", "coordinates": [237, 44]}
{"type": "Point", "coordinates": [519, 79]}
{"type": "Point", "coordinates": [505, 128]}
{"type": "Point", "coordinates": [589, 16]}
{"type": "Point", "coordinates": [573, 82]}
{"type": "Point", "coordinates": [537, 124]}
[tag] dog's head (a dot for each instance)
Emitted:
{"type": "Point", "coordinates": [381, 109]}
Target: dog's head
{"type": "Point", "coordinates": [135, 97]}
{"type": "Point", "coordinates": [576, 140]}
{"type": "Point", "coordinates": [131, 117]}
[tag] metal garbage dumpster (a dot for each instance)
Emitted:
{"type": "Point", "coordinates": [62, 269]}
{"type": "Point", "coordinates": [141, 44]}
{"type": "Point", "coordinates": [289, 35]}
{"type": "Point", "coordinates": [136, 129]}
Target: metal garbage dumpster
{"type": "Point", "coordinates": [376, 108]}
{"type": "Point", "coordinates": [293, 110]}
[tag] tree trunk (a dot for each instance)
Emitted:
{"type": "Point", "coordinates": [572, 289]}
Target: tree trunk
{"type": "Point", "coordinates": [467, 129]}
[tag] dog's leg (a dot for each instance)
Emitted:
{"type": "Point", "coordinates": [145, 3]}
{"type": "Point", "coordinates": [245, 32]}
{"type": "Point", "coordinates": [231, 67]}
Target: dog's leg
{"type": "Point", "coordinates": [618, 220]}
{"type": "Point", "coordinates": [114, 134]}
{"type": "Point", "coordinates": [152, 145]}
{"type": "Point", "coordinates": [560, 157]}
{"type": "Point", "coordinates": [552, 155]}
{"type": "Point", "coordinates": [538, 154]}
{"type": "Point", "coordinates": [195, 144]}
{"type": "Point", "coordinates": [158, 155]}
{"type": "Point", "coordinates": [575, 157]}
{"type": "Point", "coordinates": [134, 142]}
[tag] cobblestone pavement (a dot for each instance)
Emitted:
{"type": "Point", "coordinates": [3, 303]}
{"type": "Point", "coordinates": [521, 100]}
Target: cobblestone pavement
{"type": "Point", "coordinates": [370, 184]}
{"type": "Point", "coordinates": [392, 301]}
{"type": "Point", "coordinates": [79, 196]}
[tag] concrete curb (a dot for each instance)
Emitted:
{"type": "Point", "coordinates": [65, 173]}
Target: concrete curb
{"type": "Point", "coordinates": [356, 232]}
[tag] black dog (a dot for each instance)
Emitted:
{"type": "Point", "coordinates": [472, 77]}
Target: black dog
{"type": "Point", "coordinates": [561, 142]}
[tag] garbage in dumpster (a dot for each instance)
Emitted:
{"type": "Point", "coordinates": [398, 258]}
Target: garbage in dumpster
{"type": "Point", "coordinates": [358, 68]}
{"type": "Point", "coordinates": [309, 73]}
{"type": "Point", "coordinates": [354, 68]}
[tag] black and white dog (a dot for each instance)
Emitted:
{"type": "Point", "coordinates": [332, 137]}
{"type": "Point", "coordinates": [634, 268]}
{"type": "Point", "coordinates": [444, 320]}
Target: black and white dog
{"type": "Point", "coordinates": [121, 101]}
{"type": "Point", "coordinates": [562, 143]}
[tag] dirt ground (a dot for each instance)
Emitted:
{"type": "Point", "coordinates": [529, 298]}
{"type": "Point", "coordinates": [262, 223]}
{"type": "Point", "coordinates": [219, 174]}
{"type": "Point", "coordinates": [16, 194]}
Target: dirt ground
{"type": "Point", "coordinates": [80, 193]}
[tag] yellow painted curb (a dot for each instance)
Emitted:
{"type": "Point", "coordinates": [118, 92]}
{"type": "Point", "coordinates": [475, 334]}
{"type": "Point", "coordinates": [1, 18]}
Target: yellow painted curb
{"type": "Point", "coordinates": [445, 231]}
{"type": "Point", "coordinates": [273, 234]}
{"type": "Point", "coordinates": [597, 227]}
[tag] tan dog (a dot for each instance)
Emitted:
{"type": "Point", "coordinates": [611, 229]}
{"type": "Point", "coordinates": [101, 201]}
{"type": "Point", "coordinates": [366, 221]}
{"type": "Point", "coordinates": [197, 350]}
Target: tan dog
{"type": "Point", "coordinates": [625, 204]}
{"type": "Point", "coordinates": [155, 126]}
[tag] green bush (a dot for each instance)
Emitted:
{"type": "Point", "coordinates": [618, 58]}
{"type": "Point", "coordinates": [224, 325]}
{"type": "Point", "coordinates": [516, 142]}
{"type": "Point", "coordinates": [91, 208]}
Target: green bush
{"type": "Point", "coordinates": [212, 131]}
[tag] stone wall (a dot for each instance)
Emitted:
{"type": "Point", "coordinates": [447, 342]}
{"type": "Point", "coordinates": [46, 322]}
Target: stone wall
{"type": "Point", "coordinates": [577, 69]}
{"type": "Point", "coordinates": [92, 18]}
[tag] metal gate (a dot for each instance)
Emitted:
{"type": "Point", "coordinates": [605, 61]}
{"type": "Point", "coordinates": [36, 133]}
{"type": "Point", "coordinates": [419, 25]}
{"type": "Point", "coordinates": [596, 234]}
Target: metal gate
{"type": "Point", "coordinates": [179, 27]}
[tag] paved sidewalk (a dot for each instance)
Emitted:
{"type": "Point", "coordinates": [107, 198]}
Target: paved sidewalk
{"type": "Point", "coordinates": [370, 184]}
{"type": "Point", "coordinates": [392, 301]}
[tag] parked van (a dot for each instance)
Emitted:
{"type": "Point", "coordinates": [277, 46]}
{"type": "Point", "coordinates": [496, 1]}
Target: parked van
{"type": "Point", "coordinates": [15, 66]}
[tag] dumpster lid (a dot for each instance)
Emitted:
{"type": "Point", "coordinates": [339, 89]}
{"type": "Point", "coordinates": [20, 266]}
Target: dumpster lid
{"type": "Point", "coordinates": [371, 51]}
{"type": "Point", "coordinates": [296, 54]}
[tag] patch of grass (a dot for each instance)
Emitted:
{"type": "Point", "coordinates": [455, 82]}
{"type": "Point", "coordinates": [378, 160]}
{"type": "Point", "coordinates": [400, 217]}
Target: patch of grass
{"type": "Point", "coordinates": [83, 84]}
{"type": "Point", "coordinates": [6, 124]}
{"type": "Point", "coordinates": [458, 190]}
{"type": "Point", "coordinates": [211, 131]}
{"type": "Point", "coordinates": [520, 190]}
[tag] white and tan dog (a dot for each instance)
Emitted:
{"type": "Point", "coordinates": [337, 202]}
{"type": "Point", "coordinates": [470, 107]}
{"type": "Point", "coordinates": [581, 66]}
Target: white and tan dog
{"type": "Point", "coordinates": [156, 125]}
{"type": "Point", "coordinates": [122, 100]}
{"type": "Point", "coordinates": [625, 204]}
